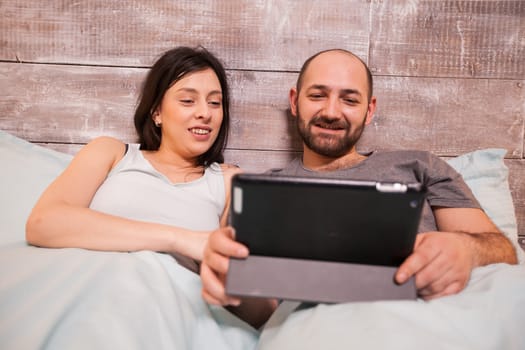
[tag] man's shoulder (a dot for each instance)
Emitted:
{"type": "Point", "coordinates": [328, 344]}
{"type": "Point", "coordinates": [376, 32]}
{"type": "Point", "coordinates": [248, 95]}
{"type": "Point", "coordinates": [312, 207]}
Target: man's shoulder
{"type": "Point", "coordinates": [408, 155]}
{"type": "Point", "coordinates": [404, 153]}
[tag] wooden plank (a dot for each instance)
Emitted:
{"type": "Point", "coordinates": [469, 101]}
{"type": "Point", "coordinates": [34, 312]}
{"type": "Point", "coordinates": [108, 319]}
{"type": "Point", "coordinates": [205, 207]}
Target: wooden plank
{"type": "Point", "coordinates": [47, 103]}
{"type": "Point", "coordinates": [260, 110]}
{"type": "Point", "coordinates": [448, 38]}
{"type": "Point", "coordinates": [246, 34]}
{"type": "Point", "coordinates": [69, 104]}
{"type": "Point", "coordinates": [449, 116]}
{"type": "Point", "coordinates": [517, 187]}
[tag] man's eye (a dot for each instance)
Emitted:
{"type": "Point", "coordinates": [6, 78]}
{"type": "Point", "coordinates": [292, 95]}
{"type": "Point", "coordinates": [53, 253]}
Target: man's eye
{"type": "Point", "coordinates": [315, 96]}
{"type": "Point", "coordinates": [350, 101]}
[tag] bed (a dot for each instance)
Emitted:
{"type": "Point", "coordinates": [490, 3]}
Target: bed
{"type": "Point", "coordinates": [82, 299]}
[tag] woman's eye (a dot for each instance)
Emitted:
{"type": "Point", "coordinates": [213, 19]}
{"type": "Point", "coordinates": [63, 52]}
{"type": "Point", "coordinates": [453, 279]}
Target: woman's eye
{"type": "Point", "coordinates": [215, 103]}
{"type": "Point", "coordinates": [186, 101]}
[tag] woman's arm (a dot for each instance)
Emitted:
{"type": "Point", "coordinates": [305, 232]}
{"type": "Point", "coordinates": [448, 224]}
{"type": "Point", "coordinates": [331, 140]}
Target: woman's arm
{"type": "Point", "coordinates": [62, 217]}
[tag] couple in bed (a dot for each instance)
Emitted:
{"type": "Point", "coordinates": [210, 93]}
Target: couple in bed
{"type": "Point", "coordinates": [170, 192]}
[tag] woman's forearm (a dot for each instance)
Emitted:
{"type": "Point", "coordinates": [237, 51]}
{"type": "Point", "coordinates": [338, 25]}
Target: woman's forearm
{"type": "Point", "coordinates": [64, 226]}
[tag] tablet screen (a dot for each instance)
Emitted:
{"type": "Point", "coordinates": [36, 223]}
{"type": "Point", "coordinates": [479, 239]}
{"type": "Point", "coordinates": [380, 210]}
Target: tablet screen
{"type": "Point", "coordinates": [362, 222]}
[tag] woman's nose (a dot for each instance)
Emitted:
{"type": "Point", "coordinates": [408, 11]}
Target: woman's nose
{"type": "Point", "coordinates": [203, 110]}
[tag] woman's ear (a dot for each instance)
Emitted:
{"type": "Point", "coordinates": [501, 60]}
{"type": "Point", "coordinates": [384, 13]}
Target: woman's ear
{"type": "Point", "coordinates": [157, 118]}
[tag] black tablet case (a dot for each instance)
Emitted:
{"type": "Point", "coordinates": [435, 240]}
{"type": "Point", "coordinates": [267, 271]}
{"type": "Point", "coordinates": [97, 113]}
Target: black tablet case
{"type": "Point", "coordinates": [322, 240]}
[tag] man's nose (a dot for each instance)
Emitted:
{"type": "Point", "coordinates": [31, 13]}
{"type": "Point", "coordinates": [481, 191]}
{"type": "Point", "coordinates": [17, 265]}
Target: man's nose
{"type": "Point", "coordinates": [332, 107]}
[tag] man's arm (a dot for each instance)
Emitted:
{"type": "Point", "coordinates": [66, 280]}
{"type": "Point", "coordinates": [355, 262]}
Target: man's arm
{"type": "Point", "coordinates": [487, 243]}
{"type": "Point", "coordinates": [442, 261]}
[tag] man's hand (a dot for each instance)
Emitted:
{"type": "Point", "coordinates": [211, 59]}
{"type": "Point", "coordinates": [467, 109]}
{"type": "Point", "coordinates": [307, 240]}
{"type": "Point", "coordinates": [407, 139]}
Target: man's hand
{"type": "Point", "coordinates": [219, 248]}
{"type": "Point", "coordinates": [441, 262]}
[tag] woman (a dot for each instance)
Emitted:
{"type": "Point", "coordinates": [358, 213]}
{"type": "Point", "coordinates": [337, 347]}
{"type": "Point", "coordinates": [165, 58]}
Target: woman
{"type": "Point", "coordinates": [166, 194]}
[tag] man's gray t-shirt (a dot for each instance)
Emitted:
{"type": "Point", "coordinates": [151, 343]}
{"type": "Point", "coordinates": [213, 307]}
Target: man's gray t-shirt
{"type": "Point", "coordinates": [445, 186]}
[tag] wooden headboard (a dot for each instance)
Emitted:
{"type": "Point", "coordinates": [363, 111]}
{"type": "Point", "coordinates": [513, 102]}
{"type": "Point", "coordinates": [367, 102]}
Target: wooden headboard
{"type": "Point", "coordinates": [449, 75]}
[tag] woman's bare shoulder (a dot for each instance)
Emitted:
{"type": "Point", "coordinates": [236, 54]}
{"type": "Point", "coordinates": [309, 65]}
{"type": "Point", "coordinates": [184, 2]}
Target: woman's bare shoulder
{"type": "Point", "coordinates": [102, 149]}
{"type": "Point", "coordinates": [106, 141]}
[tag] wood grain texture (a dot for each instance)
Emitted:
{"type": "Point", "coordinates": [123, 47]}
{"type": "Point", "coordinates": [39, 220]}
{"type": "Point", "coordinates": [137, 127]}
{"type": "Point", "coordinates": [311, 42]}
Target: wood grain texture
{"type": "Point", "coordinates": [71, 104]}
{"type": "Point", "coordinates": [246, 34]}
{"type": "Point", "coordinates": [517, 187]}
{"type": "Point", "coordinates": [68, 104]}
{"type": "Point", "coordinates": [448, 38]}
{"type": "Point", "coordinates": [449, 116]}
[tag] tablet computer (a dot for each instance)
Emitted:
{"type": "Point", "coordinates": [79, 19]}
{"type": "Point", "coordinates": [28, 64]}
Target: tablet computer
{"type": "Point", "coordinates": [302, 231]}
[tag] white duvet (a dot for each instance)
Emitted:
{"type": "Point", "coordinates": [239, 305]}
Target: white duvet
{"type": "Point", "coordinates": [81, 299]}
{"type": "Point", "coordinates": [488, 314]}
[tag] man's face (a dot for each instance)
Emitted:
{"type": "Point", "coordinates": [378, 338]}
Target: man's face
{"type": "Point", "coordinates": [332, 106]}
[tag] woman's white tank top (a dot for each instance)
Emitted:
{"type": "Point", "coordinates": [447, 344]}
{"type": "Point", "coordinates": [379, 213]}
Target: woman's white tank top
{"type": "Point", "coordinates": [135, 190]}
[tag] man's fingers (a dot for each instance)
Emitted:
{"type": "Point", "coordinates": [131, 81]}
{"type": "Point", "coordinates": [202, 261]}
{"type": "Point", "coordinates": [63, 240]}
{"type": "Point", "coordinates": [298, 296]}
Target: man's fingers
{"type": "Point", "coordinates": [217, 262]}
{"type": "Point", "coordinates": [452, 288]}
{"type": "Point", "coordinates": [416, 262]}
{"type": "Point", "coordinates": [213, 288]}
{"type": "Point", "coordinates": [409, 267]}
{"type": "Point", "coordinates": [435, 275]}
{"type": "Point", "coordinates": [427, 288]}
{"type": "Point", "coordinates": [209, 298]}
{"type": "Point", "coordinates": [225, 244]}
{"type": "Point", "coordinates": [220, 247]}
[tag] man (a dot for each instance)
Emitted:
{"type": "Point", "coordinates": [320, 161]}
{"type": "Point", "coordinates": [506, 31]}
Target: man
{"type": "Point", "coordinates": [332, 103]}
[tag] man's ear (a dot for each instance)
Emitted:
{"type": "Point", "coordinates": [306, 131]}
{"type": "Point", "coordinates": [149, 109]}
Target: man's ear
{"type": "Point", "coordinates": [292, 96]}
{"type": "Point", "coordinates": [371, 110]}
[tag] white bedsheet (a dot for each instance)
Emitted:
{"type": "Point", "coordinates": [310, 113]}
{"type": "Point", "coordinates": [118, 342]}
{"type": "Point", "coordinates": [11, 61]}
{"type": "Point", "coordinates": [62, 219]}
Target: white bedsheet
{"type": "Point", "coordinates": [488, 314]}
{"type": "Point", "coordinates": [81, 299]}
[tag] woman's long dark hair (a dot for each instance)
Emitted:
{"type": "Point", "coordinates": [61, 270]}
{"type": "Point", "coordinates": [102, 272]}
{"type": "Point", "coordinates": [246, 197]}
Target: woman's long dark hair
{"type": "Point", "coordinates": [172, 66]}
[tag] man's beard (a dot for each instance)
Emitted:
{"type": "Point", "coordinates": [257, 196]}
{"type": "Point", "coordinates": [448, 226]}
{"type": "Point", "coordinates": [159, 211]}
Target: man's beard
{"type": "Point", "coordinates": [329, 145]}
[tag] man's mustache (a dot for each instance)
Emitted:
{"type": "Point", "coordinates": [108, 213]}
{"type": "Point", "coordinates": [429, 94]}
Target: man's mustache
{"type": "Point", "coordinates": [330, 123]}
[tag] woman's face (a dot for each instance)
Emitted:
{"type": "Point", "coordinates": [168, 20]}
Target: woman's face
{"type": "Point", "coordinates": [191, 114]}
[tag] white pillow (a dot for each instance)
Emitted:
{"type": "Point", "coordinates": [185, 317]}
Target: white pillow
{"type": "Point", "coordinates": [26, 171]}
{"type": "Point", "coordinates": [486, 174]}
